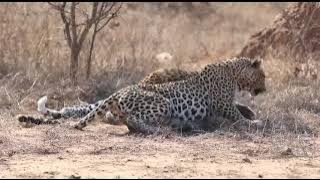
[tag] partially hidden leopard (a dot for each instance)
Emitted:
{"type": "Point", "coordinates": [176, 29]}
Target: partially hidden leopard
{"type": "Point", "coordinates": [179, 102]}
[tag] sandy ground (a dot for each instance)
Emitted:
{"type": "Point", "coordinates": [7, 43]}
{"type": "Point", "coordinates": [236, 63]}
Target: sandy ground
{"type": "Point", "coordinates": [106, 151]}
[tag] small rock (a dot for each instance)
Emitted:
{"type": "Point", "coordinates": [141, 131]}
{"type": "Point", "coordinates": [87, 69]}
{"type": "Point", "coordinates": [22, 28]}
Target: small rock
{"type": "Point", "coordinates": [50, 172]}
{"type": "Point", "coordinates": [74, 177]}
{"type": "Point", "coordinates": [247, 160]}
{"type": "Point", "coordinates": [287, 152]}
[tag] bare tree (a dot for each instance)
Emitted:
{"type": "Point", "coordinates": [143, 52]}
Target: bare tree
{"type": "Point", "coordinates": [79, 19]}
{"type": "Point", "coordinates": [105, 15]}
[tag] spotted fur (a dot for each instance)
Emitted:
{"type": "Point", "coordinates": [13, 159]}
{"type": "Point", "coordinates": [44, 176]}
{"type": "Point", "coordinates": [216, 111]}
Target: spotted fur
{"type": "Point", "coordinates": [183, 104]}
{"type": "Point", "coordinates": [167, 75]}
{"type": "Point", "coordinates": [170, 75]}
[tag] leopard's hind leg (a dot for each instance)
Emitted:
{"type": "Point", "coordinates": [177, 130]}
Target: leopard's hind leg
{"type": "Point", "coordinates": [145, 112]}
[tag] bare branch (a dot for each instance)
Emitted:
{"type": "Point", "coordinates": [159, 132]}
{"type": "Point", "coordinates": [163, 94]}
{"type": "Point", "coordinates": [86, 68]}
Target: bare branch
{"type": "Point", "coordinates": [83, 13]}
{"type": "Point", "coordinates": [73, 21]}
{"type": "Point", "coordinates": [101, 14]}
{"type": "Point", "coordinates": [102, 7]}
{"type": "Point", "coordinates": [59, 7]}
{"type": "Point", "coordinates": [105, 23]}
{"type": "Point", "coordinates": [66, 24]}
{"type": "Point", "coordinates": [55, 6]}
{"type": "Point", "coordinates": [90, 22]}
{"type": "Point", "coordinates": [105, 13]}
{"type": "Point", "coordinates": [113, 15]}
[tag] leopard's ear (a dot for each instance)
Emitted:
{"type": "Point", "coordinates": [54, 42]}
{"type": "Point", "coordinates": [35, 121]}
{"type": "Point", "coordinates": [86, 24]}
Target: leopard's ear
{"type": "Point", "coordinates": [256, 63]}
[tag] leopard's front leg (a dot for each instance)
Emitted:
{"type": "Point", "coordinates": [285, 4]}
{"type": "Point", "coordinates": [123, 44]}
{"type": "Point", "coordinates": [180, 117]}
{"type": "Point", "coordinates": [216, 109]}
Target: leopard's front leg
{"type": "Point", "coordinates": [230, 111]}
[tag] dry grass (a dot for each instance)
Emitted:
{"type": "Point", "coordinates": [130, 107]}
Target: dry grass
{"type": "Point", "coordinates": [38, 52]}
{"type": "Point", "coordinates": [34, 61]}
{"type": "Point", "coordinates": [36, 64]}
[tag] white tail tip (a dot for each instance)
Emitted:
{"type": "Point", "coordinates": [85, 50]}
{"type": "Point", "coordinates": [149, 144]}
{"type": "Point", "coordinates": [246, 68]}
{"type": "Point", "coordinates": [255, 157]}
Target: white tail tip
{"type": "Point", "coordinates": [42, 105]}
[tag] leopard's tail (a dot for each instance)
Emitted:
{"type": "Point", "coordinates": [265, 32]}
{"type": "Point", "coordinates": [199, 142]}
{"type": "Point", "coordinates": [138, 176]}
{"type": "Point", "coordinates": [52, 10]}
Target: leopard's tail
{"type": "Point", "coordinates": [66, 112]}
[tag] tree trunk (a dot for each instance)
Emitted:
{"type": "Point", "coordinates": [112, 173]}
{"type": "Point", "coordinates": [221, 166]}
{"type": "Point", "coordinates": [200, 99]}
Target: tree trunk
{"type": "Point", "coordinates": [90, 53]}
{"type": "Point", "coordinates": [74, 64]}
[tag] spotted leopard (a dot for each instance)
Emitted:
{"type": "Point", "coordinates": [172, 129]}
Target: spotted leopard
{"type": "Point", "coordinates": [170, 75]}
{"type": "Point", "coordinates": [146, 108]}
{"type": "Point", "coordinates": [175, 74]}
{"type": "Point", "coordinates": [114, 117]}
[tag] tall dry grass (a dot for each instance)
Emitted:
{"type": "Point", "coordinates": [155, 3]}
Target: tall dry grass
{"type": "Point", "coordinates": [34, 57]}
{"type": "Point", "coordinates": [32, 36]}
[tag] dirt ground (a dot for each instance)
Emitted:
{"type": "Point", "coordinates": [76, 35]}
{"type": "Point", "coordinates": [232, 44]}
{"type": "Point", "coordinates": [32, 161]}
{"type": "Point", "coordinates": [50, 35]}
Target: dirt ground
{"type": "Point", "coordinates": [107, 151]}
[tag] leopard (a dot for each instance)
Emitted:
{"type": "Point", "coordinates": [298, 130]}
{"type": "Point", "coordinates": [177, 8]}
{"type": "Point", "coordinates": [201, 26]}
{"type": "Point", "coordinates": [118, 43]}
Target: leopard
{"type": "Point", "coordinates": [169, 75]}
{"type": "Point", "coordinates": [184, 104]}
{"type": "Point", "coordinates": [177, 74]}
{"type": "Point", "coordinates": [114, 117]}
